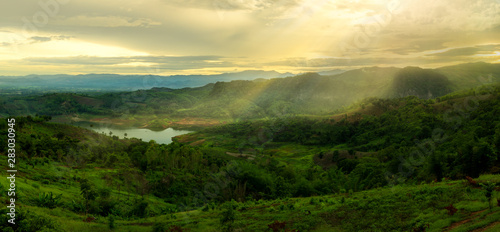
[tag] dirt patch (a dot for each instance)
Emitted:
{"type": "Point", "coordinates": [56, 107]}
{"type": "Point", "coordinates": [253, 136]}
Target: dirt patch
{"type": "Point", "coordinates": [189, 138]}
{"type": "Point", "coordinates": [200, 122]}
{"type": "Point", "coordinates": [197, 143]}
{"type": "Point", "coordinates": [238, 155]}
{"type": "Point", "coordinates": [89, 101]}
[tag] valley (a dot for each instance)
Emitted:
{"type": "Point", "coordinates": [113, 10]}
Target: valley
{"type": "Point", "coordinates": [286, 154]}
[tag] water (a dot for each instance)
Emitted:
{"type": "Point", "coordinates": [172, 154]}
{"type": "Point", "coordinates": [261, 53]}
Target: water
{"type": "Point", "coordinates": [162, 137]}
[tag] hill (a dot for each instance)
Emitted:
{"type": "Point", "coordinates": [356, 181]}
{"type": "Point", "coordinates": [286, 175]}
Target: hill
{"type": "Point", "coordinates": [464, 76]}
{"type": "Point", "coordinates": [114, 82]}
{"type": "Point", "coordinates": [407, 162]}
{"type": "Point", "coordinates": [305, 94]}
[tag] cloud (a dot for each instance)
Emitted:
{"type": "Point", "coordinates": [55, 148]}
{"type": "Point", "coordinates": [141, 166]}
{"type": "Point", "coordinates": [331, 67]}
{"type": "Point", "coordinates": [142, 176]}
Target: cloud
{"type": "Point", "coordinates": [36, 39]}
{"type": "Point", "coordinates": [162, 62]}
{"type": "Point", "coordinates": [106, 21]}
{"type": "Point", "coordinates": [231, 5]}
{"type": "Point", "coordinates": [468, 51]}
{"type": "Point", "coordinates": [175, 34]}
{"type": "Point", "coordinates": [336, 62]}
{"type": "Point", "coordinates": [260, 9]}
{"type": "Point", "coordinates": [41, 39]}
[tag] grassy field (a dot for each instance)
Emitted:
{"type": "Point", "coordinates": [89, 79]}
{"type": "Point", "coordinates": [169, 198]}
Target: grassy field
{"type": "Point", "coordinates": [408, 207]}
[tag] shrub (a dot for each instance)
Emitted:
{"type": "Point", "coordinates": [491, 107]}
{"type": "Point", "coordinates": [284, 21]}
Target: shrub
{"type": "Point", "coordinates": [489, 189]}
{"type": "Point", "coordinates": [76, 206]}
{"type": "Point", "coordinates": [48, 200]}
{"type": "Point", "coordinates": [111, 222]}
{"type": "Point", "coordinates": [27, 221]}
{"type": "Point", "coordinates": [105, 206]}
{"type": "Point", "coordinates": [104, 192]}
{"type": "Point", "coordinates": [139, 209]}
{"type": "Point", "coordinates": [159, 227]}
{"type": "Point", "coordinates": [170, 208]}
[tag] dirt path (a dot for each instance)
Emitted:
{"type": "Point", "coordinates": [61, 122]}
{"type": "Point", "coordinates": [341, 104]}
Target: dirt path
{"type": "Point", "coordinates": [471, 217]}
{"type": "Point", "coordinates": [487, 227]}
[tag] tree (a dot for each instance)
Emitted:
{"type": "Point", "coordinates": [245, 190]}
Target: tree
{"type": "Point", "coordinates": [88, 192]}
{"type": "Point", "coordinates": [228, 216]}
{"type": "Point", "coordinates": [282, 188]}
{"type": "Point", "coordinates": [489, 189]}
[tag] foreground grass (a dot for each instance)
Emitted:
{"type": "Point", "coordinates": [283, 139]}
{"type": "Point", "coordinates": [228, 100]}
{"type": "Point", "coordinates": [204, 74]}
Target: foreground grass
{"type": "Point", "coordinates": [397, 208]}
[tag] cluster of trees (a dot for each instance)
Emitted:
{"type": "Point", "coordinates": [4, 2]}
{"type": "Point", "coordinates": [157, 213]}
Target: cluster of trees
{"type": "Point", "coordinates": [454, 138]}
{"type": "Point", "coordinates": [180, 174]}
{"type": "Point", "coordinates": [415, 139]}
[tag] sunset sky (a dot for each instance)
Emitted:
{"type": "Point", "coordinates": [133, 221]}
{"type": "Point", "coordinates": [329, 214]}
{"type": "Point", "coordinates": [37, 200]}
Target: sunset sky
{"type": "Point", "coordinates": [166, 37]}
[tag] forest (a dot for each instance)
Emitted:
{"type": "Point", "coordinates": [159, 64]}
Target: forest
{"type": "Point", "coordinates": [305, 94]}
{"type": "Point", "coordinates": [291, 165]}
{"type": "Point", "coordinates": [428, 162]}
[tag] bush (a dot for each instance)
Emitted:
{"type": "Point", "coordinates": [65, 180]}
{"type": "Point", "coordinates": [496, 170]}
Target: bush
{"type": "Point", "coordinates": [106, 206]}
{"type": "Point", "coordinates": [170, 208]}
{"type": "Point", "coordinates": [139, 209]}
{"type": "Point", "coordinates": [27, 221]}
{"type": "Point", "coordinates": [76, 206]}
{"type": "Point", "coordinates": [104, 192]}
{"type": "Point", "coordinates": [111, 222]}
{"type": "Point", "coordinates": [159, 227]}
{"type": "Point", "coordinates": [48, 200]}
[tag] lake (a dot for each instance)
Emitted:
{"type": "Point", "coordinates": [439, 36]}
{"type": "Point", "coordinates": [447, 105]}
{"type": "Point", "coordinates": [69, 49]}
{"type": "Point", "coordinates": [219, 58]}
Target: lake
{"type": "Point", "coordinates": [162, 136]}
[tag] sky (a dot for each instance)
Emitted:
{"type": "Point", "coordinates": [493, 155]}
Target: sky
{"type": "Point", "coordinates": [167, 37]}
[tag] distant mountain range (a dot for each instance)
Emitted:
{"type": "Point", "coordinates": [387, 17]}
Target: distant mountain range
{"type": "Point", "coordinates": [114, 82]}
{"type": "Point", "coordinates": [247, 96]}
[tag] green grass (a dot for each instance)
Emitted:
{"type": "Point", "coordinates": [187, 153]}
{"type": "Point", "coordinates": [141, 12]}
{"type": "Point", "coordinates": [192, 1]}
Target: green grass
{"type": "Point", "coordinates": [381, 209]}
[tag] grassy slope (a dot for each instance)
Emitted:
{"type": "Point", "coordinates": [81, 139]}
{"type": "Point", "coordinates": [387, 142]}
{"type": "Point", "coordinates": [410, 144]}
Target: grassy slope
{"type": "Point", "coordinates": [397, 208]}
{"type": "Point", "coordinates": [407, 206]}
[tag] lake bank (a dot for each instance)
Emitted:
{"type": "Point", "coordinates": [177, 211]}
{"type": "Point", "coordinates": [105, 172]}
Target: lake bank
{"type": "Point", "coordinates": [160, 136]}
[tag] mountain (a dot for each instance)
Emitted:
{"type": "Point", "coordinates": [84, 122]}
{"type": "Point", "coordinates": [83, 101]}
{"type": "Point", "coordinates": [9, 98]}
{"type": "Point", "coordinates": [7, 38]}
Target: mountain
{"type": "Point", "coordinates": [464, 76]}
{"type": "Point", "coordinates": [114, 82]}
{"type": "Point", "coordinates": [308, 93]}
{"type": "Point", "coordinates": [332, 72]}
{"type": "Point", "coordinates": [423, 83]}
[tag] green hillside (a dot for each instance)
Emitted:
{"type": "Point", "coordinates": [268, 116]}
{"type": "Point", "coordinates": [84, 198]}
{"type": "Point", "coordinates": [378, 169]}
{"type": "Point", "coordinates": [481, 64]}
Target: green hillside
{"type": "Point", "coordinates": [470, 75]}
{"type": "Point", "coordinates": [306, 94]}
{"type": "Point", "coordinates": [387, 165]}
